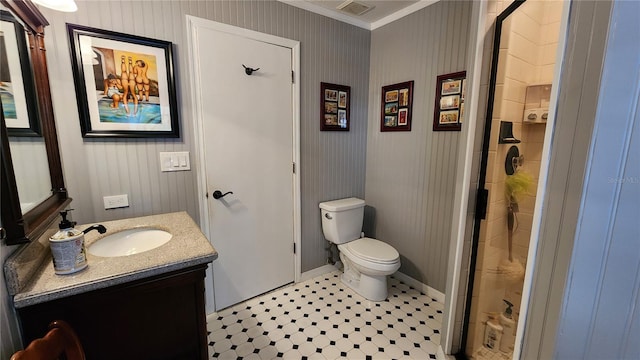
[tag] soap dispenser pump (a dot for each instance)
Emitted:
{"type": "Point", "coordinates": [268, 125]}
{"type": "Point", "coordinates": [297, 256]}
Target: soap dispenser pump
{"type": "Point", "coordinates": [67, 246]}
{"type": "Point", "coordinates": [509, 328]}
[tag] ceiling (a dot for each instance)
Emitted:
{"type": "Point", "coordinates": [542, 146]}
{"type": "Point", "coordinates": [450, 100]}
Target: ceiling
{"type": "Point", "coordinates": [382, 13]}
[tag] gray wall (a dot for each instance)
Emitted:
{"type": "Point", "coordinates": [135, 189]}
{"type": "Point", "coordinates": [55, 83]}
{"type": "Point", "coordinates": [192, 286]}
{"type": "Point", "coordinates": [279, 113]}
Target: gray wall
{"type": "Point", "coordinates": [585, 295]}
{"type": "Point", "coordinates": [600, 317]}
{"type": "Point", "coordinates": [332, 163]}
{"type": "Point", "coordinates": [411, 175]}
{"type": "Point", "coordinates": [598, 307]}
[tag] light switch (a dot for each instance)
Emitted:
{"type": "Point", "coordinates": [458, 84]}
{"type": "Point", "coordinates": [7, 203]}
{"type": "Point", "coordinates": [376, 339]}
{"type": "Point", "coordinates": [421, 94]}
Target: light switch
{"type": "Point", "coordinates": [116, 201]}
{"type": "Point", "coordinates": [174, 161]}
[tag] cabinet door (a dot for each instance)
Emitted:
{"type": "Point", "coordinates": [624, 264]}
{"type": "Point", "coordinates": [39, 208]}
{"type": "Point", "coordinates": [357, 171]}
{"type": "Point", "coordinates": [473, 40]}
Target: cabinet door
{"type": "Point", "coordinates": [162, 317]}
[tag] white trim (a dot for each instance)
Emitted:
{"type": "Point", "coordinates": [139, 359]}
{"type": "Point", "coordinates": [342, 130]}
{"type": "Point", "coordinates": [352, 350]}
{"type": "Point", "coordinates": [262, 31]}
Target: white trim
{"type": "Point", "coordinates": [309, 6]}
{"type": "Point", "coordinates": [239, 31]}
{"type": "Point", "coordinates": [435, 294]}
{"type": "Point", "coordinates": [477, 33]}
{"type": "Point", "coordinates": [542, 185]}
{"type": "Point", "coordinates": [325, 269]}
{"type": "Point", "coordinates": [401, 13]}
{"type": "Point", "coordinates": [305, 5]}
{"type": "Point", "coordinates": [193, 23]}
{"type": "Point", "coordinates": [297, 192]}
{"type": "Point", "coordinates": [441, 356]}
{"type": "Point", "coordinates": [199, 164]}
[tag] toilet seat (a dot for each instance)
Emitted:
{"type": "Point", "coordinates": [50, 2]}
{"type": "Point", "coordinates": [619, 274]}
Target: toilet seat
{"type": "Point", "coordinates": [372, 250]}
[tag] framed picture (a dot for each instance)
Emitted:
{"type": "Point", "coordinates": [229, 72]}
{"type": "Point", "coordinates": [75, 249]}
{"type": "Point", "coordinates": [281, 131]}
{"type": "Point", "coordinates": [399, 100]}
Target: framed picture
{"type": "Point", "coordinates": [449, 104]}
{"type": "Point", "coordinates": [17, 87]}
{"type": "Point", "coordinates": [335, 102]}
{"type": "Point", "coordinates": [397, 102]}
{"type": "Point", "coordinates": [402, 116]}
{"type": "Point", "coordinates": [124, 84]}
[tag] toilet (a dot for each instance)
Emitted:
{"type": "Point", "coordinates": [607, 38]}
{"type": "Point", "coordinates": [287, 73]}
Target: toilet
{"type": "Point", "coordinates": [367, 262]}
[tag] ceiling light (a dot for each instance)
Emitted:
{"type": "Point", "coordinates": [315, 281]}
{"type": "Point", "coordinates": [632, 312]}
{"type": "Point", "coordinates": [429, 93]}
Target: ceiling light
{"type": "Point", "coordinates": [60, 5]}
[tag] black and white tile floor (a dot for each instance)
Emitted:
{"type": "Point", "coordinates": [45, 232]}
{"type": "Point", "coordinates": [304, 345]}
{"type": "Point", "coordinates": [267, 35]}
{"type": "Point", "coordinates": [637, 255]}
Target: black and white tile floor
{"type": "Point", "coordinates": [321, 318]}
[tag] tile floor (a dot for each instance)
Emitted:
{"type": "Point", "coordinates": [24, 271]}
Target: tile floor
{"type": "Point", "coordinates": [322, 318]}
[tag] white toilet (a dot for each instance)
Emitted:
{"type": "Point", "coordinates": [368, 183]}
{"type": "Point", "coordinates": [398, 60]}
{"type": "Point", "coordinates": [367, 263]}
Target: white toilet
{"type": "Point", "coordinates": [367, 262]}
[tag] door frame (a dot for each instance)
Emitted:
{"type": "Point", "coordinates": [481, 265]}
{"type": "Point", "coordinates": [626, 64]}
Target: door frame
{"type": "Point", "coordinates": [193, 24]}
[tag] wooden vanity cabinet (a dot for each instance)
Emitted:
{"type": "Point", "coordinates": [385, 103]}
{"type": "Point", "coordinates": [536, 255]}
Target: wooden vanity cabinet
{"type": "Point", "coordinates": [160, 317]}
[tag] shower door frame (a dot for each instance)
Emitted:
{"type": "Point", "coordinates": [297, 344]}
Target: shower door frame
{"type": "Point", "coordinates": [482, 192]}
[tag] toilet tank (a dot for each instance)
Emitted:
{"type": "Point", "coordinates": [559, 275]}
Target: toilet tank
{"type": "Point", "coordinates": [342, 219]}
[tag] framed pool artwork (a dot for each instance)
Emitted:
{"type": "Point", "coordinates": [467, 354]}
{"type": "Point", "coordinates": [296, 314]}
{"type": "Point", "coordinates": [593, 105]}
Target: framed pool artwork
{"type": "Point", "coordinates": [17, 86]}
{"type": "Point", "coordinates": [124, 84]}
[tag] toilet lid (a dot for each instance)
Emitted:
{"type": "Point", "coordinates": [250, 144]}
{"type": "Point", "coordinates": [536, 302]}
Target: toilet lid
{"type": "Point", "coordinates": [373, 250]}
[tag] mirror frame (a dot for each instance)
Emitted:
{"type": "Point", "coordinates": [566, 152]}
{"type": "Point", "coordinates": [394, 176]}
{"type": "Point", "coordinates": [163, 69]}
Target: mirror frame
{"type": "Point", "coordinates": [21, 228]}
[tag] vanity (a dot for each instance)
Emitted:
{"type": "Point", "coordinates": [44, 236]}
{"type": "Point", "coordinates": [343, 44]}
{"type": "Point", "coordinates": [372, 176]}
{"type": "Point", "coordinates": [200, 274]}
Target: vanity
{"type": "Point", "coordinates": [149, 305]}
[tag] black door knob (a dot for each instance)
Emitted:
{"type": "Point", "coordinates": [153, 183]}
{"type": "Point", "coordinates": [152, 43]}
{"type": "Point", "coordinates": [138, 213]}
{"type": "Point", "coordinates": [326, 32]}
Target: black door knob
{"type": "Point", "coordinates": [219, 195]}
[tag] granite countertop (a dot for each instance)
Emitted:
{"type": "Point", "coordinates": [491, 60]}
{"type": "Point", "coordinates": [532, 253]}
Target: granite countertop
{"type": "Point", "coordinates": [188, 247]}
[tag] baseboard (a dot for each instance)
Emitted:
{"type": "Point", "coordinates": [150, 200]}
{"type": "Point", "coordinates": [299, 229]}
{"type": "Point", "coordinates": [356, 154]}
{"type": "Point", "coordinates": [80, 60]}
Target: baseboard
{"type": "Point", "coordinates": [420, 286]}
{"type": "Point", "coordinates": [316, 272]}
{"type": "Point", "coordinates": [440, 355]}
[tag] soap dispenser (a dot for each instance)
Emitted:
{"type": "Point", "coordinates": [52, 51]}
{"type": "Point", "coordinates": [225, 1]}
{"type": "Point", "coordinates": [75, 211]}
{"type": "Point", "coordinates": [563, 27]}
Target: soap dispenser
{"type": "Point", "coordinates": [492, 332]}
{"type": "Point", "coordinates": [67, 246]}
{"type": "Point", "coordinates": [509, 328]}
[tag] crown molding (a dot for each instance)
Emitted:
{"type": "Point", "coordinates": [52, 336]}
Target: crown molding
{"type": "Point", "coordinates": [401, 13]}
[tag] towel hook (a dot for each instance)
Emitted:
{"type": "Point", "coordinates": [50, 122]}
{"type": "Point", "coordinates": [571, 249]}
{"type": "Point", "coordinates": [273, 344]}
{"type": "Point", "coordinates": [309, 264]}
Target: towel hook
{"type": "Point", "coordinates": [249, 70]}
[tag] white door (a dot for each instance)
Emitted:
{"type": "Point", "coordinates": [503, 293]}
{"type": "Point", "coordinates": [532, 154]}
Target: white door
{"type": "Point", "coordinates": [248, 150]}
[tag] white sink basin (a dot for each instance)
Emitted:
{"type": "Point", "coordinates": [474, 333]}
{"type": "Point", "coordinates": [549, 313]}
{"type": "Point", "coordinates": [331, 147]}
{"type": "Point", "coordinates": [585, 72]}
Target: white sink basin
{"type": "Point", "coordinates": [129, 242]}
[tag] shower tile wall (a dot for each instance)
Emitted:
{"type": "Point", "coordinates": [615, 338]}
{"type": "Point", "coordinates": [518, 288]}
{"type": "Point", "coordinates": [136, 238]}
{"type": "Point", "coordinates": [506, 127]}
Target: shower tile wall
{"type": "Point", "coordinates": [527, 56]}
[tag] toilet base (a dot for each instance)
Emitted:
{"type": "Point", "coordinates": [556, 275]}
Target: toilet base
{"type": "Point", "coordinates": [371, 287]}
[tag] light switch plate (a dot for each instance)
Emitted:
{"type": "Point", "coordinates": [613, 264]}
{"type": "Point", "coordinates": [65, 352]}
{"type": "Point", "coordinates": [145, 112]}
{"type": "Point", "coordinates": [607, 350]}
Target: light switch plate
{"type": "Point", "coordinates": [175, 161]}
{"type": "Point", "coordinates": [116, 201]}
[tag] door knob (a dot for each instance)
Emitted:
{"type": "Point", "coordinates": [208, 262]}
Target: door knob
{"type": "Point", "coordinates": [219, 195]}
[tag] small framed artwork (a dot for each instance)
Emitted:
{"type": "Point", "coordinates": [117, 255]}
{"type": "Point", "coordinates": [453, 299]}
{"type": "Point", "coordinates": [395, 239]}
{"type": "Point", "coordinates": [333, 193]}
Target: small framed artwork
{"type": "Point", "coordinates": [397, 102]}
{"type": "Point", "coordinates": [449, 104]}
{"type": "Point", "coordinates": [334, 109]}
{"type": "Point", "coordinates": [402, 116]}
{"type": "Point", "coordinates": [448, 117]}
{"type": "Point", "coordinates": [17, 87]}
{"type": "Point", "coordinates": [124, 84]}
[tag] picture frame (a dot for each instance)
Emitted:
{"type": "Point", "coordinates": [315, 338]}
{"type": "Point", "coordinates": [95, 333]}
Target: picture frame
{"type": "Point", "coordinates": [449, 101]}
{"type": "Point", "coordinates": [335, 103]}
{"type": "Point", "coordinates": [17, 85]}
{"type": "Point", "coordinates": [124, 84]}
{"type": "Point", "coordinates": [396, 107]}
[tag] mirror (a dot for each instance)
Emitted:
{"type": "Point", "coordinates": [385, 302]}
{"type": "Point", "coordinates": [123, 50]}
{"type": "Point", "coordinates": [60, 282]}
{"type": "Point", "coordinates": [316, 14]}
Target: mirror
{"type": "Point", "coordinates": [20, 110]}
{"type": "Point", "coordinates": [32, 188]}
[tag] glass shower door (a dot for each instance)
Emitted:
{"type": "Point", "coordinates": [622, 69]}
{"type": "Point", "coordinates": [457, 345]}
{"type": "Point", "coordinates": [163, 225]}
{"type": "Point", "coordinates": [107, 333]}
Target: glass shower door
{"type": "Point", "coordinates": [525, 45]}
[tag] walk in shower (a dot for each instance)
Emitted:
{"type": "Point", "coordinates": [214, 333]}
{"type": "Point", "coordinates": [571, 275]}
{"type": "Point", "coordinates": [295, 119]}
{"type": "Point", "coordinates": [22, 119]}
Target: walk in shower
{"type": "Point", "coordinates": [524, 55]}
